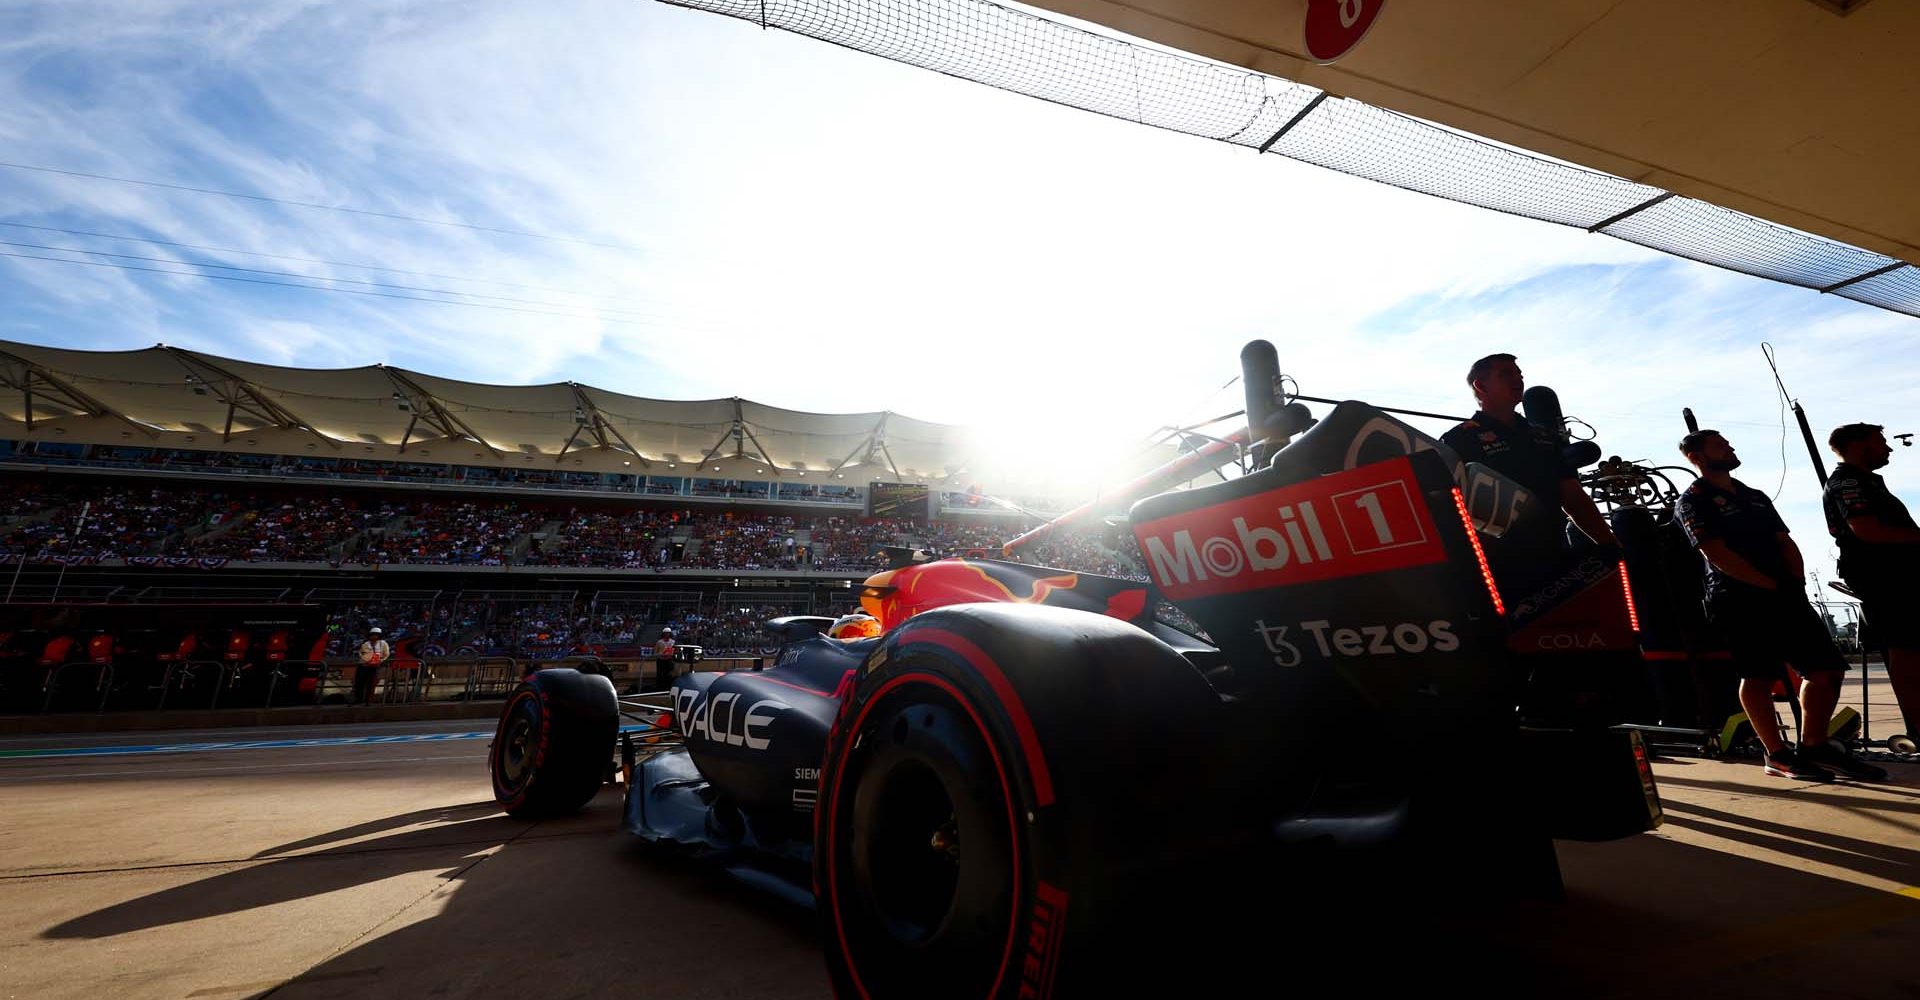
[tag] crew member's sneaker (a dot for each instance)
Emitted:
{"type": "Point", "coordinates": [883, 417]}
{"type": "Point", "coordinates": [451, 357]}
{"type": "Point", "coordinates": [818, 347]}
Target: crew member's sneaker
{"type": "Point", "coordinates": [1839, 760]}
{"type": "Point", "coordinates": [1788, 764]}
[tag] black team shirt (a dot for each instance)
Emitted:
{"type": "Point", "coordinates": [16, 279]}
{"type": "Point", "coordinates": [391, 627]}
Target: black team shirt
{"type": "Point", "coordinates": [1526, 452]}
{"type": "Point", "coordinates": [1744, 519]}
{"type": "Point", "coordinates": [1855, 492]}
{"type": "Point", "coordinates": [1530, 455]}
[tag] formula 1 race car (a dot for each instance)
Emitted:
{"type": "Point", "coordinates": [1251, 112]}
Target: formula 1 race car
{"type": "Point", "coordinates": [1032, 767]}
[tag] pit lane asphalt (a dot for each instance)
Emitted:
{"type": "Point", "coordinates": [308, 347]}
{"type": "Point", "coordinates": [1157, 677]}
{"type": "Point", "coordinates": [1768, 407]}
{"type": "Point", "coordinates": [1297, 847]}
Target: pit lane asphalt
{"type": "Point", "coordinates": [378, 869]}
{"type": "Point", "coordinates": [381, 869]}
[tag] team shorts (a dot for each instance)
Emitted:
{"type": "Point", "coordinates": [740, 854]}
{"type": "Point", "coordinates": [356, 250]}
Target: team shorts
{"type": "Point", "coordinates": [1892, 611]}
{"type": "Point", "coordinates": [1768, 632]}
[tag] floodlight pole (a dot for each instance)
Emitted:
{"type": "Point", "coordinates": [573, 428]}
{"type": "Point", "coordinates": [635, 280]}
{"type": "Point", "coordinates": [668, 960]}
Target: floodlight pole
{"type": "Point", "coordinates": [1799, 415]}
{"type": "Point", "coordinates": [1813, 450]}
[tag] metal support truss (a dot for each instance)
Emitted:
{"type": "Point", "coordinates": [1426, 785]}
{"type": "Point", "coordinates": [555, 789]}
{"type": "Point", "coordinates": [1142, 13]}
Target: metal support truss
{"type": "Point", "coordinates": [241, 397]}
{"type": "Point", "coordinates": [876, 441]}
{"type": "Point", "coordinates": [590, 419]}
{"type": "Point", "coordinates": [739, 435]}
{"type": "Point", "coordinates": [428, 408]}
{"type": "Point", "coordinates": [33, 379]}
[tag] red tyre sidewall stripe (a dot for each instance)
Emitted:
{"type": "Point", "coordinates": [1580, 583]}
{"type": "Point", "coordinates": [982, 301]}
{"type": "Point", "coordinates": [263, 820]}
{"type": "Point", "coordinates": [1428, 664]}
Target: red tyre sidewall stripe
{"type": "Point", "coordinates": [990, 671]}
{"type": "Point", "coordinates": [500, 747]}
{"type": "Point", "coordinates": [539, 746]}
{"type": "Point", "coordinates": [1006, 788]}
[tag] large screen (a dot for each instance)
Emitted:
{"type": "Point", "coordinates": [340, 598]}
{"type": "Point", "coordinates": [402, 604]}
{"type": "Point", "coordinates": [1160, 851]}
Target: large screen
{"type": "Point", "coordinates": [902, 500]}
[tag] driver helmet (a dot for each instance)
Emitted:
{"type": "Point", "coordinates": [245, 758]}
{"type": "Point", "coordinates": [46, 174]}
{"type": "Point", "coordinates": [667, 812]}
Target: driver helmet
{"type": "Point", "coordinates": [374, 630]}
{"type": "Point", "coordinates": [666, 631]}
{"type": "Point", "coordinates": [854, 626]}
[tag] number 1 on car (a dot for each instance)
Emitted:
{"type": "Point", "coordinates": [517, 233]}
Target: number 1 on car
{"type": "Point", "coordinates": [1378, 517]}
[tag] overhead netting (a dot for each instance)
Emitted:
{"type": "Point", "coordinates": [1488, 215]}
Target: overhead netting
{"type": "Point", "coordinates": [1028, 54]}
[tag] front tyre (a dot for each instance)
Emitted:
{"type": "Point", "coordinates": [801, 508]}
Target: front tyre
{"type": "Point", "coordinates": [554, 743]}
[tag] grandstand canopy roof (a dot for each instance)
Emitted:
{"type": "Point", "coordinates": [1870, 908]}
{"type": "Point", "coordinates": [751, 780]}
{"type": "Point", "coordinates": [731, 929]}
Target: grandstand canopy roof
{"type": "Point", "coordinates": [174, 398]}
{"type": "Point", "coordinates": [1804, 112]}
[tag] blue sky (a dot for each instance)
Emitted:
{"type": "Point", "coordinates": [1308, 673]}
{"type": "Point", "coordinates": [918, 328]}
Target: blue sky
{"type": "Point", "coordinates": [729, 211]}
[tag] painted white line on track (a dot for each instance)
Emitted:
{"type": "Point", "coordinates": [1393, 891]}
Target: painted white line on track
{"type": "Point", "coordinates": [155, 773]}
{"type": "Point", "coordinates": [41, 753]}
{"type": "Point", "coordinates": [158, 748]}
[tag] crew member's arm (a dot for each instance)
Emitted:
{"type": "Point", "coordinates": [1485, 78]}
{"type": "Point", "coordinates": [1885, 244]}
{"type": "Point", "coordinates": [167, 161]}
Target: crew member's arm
{"type": "Point", "coordinates": [1790, 555]}
{"type": "Point", "coordinates": [1870, 529]}
{"type": "Point", "coordinates": [1735, 565]}
{"type": "Point", "coordinates": [1796, 564]}
{"type": "Point", "coordinates": [1581, 508]}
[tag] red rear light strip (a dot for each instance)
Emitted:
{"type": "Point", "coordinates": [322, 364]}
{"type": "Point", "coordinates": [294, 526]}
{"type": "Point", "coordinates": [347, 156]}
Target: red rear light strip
{"type": "Point", "coordinates": [1626, 587]}
{"type": "Point", "coordinates": [1479, 554]}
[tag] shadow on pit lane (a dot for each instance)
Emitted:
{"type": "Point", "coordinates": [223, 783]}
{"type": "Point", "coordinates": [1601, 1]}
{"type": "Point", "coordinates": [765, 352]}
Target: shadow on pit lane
{"type": "Point", "coordinates": [450, 846]}
{"type": "Point", "coordinates": [441, 814]}
{"type": "Point", "coordinates": [575, 908]}
{"type": "Point", "coordinates": [1880, 859]}
{"type": "Point", "coordinates": [1904, 797]}
{"type": "Point", "coordinates": [1653, 917]}
{"type": "Point", "coordinates": [570, 907]}
{"type": "Point", "coordinates": [1649, 917]}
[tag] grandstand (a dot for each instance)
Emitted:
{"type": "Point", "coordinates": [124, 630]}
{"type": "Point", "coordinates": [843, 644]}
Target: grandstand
{"type": "Point", "coordinates": [458, 518]}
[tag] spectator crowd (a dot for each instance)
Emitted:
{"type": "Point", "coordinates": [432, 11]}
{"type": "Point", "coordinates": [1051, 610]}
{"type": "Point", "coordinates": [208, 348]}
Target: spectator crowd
{"type": "Point", "coordinates": [79, 521]}
{"type": "Point", "coordinates": [82, 522]}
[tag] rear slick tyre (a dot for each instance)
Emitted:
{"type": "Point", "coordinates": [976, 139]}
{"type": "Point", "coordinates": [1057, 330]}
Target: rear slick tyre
{"type": "Point", "coordinates": [1007, 793]}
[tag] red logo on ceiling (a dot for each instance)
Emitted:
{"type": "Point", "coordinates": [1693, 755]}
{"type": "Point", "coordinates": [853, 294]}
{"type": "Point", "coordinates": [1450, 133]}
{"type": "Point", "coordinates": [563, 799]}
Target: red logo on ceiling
{"type": "Point", "coordinates": [1334, 27]}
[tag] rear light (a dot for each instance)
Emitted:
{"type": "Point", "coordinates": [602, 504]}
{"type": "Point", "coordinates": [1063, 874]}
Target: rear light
{"type": "Point", "coordinates": [1479, 554]}
{"type": "Point", "coordinates": [1626, 587]}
